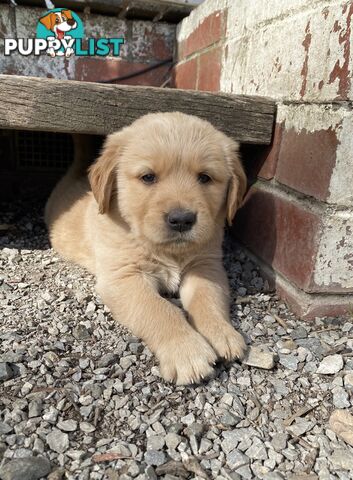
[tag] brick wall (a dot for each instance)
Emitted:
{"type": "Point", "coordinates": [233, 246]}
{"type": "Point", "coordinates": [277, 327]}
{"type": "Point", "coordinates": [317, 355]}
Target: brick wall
{"type": "Point", "coordinates": [145, 43]}
{"type": "Point", "coordinates": [297, 217]}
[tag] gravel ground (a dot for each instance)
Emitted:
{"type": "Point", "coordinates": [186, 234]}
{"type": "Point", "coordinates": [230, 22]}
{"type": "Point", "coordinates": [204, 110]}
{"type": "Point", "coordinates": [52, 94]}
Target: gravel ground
{"type": "Point", "coordinates": [81, 398]}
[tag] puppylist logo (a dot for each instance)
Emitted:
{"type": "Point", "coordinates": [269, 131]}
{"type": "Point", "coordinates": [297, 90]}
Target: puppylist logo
{"type": "Point", "coordinates": [60, 33]}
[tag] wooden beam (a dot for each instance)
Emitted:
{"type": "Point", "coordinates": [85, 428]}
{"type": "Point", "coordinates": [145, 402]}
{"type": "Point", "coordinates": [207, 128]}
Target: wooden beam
{"type": "Point", "coordinates": [181, 8]}
{"type": "Point", "coordinates": [29, 103]}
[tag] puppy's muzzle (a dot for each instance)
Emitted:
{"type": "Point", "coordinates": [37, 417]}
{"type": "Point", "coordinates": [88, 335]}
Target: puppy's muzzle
{"type": "Point", "coordinates": [180, 220]}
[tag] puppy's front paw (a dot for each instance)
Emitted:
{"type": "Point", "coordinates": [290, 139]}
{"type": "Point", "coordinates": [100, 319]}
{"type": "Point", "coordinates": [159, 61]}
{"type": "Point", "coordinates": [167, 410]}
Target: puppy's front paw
{"type": "Point", "coordinates": [227, 342]}
{"type": "Point", "coordinates": [69, 52]}
{"type": "Point", "coordinates": [187, 360]}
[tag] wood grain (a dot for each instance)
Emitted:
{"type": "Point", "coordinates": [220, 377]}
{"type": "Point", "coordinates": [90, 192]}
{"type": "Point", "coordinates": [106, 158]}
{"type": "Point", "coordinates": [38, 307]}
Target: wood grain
{"type": "Point", "coordinates": [28, 103]}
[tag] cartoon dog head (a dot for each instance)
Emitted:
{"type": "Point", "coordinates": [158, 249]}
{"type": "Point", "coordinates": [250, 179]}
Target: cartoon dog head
{"type": "Point", "coordinates": [59, 22]}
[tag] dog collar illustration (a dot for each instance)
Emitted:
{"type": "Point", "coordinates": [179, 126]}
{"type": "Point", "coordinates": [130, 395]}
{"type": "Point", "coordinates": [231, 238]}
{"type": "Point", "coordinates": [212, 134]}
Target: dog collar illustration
{"type": "Point", "coordinates": [60, 33]}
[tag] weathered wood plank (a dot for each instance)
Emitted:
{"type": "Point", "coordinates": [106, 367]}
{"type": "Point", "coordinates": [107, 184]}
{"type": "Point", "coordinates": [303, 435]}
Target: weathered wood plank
{"type": "Point", "coordinates": [30, 103]}
{"type": "Point", "coordinates": [177, 9]}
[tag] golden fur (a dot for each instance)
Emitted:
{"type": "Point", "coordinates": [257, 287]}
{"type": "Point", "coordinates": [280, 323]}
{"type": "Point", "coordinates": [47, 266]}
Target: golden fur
{"type": "Point", "coordinates": [118, 231]}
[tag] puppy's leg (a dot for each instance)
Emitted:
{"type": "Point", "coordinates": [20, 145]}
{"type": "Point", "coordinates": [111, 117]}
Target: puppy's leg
{"type": "Point", "coordinates": [205, 296]}
{"type": "Point", "coordinates": [184, 355]}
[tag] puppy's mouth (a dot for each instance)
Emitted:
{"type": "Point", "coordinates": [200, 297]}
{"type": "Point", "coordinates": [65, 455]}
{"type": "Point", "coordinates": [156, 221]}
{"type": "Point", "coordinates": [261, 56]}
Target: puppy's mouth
{"type": "Point", "coordinates": [60, 34]}
{"type": "Point", "coordinates": [179, 238]}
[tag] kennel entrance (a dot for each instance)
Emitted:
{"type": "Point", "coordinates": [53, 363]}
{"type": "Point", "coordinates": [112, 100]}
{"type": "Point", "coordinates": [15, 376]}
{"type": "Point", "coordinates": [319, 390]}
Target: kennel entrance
{"type": "Point", "coordinates": [32, 161]}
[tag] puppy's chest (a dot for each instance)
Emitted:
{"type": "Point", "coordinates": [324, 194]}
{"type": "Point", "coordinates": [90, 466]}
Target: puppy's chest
{"type": "Point", "coordinates": [169, 277]}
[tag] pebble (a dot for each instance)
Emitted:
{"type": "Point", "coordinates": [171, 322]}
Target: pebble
{"type": "Point", "coordinates": [57, 474]}
{"type": "Point", "coordinates": [330, 365]}
{"type": "Point", "coordinates": [245, 472]}
{"type": "Point", "coordinates": [299, 332]}
{"type": "Point", "coordinates": [279, 476]}
{"type": "Point", "coordinates": [257, 357]}
{"type": "Point", "coordinates": [5, 428]}
{"type": "Point", "coordinates": [194, 428]}
{"type": "Point", "coordinates": [301, 426]}
{"type": "Point", "coordinates": [257, 450]}
{"type": "Point", "coordinates": [340, 398]}
{"type": "Point", "coordinates": [108, 359]}
{"type": "Point", "coordinates": [236, 459]}
{"type": "Point", "coordinates": [80, 332]}
{"type": "Point", "coordinates": [188, 419]}
{"type": "Point", "coordinates": [230, 441]}
{"type": "Point", "coordinates": [172, 440]}
{"type": "Point", "coordinates": [58, 441]}
{"type": "Point", "coordinates": [26, 388]}
{"type": "Point", "coordinates": [29, 468]}
{"type": "Point", "coordinates": [348, 380]}
{"type": "Point", "coordinates": [87, 427]}
{"type": "Point", "coordinates": [67, 425]}
{"type": "Point", "coordinates": [51, 416]}
{"type": "Point", "coordinates": [290, 453]}
{"type": "Point", "coordinates": [6, 372]}
{"type": "Point", "coordinates": [342, 459]}
{"type": "Point", "coordinates": [279, 441]}
{"type": "Point", "coordinates": [228, 419]}
{"type": "Point", "coordinates": [341, 422]}
{"type": "Point", "coordinates": [155, 458]}
{"type": "Point", "coordinates": [150, 474]}
{"type": "Point", "coordinates": [35, 408]}
{"type": "Point", "coordinates": [347, 327]}
{"type": "Point", "coordinates": [83, 363]}
{"type": "Point", "coordinates": [155, 442]}
{"type": "Point", "coordinates": [289, 361]}
{"type": "Point", "coordinates": [91, 307]}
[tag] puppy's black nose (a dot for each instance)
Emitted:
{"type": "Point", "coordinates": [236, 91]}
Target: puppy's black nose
{"type": "Point", "coordinates": [71, 21]}
{"type": "Point", "coordinates": [180, 220]}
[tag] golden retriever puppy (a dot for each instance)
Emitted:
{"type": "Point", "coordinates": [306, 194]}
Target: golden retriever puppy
{"type": "Point", "coordinates": [152, 223]}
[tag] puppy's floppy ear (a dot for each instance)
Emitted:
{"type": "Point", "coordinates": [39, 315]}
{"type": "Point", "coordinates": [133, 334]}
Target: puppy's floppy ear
{"type": "Point", "coordinates": [102, 174]}
{"type": "Point", "coordinates": [67, 13]}
{"type": "Point", "coordinates": [48, 21]}
{"type": "Point", "coordinates": [237, 183]}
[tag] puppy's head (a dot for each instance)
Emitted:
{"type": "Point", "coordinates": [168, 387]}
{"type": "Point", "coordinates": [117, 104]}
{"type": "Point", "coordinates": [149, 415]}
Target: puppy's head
{"type": "Point", "coordinates": [59, 22]}
{"type": "Point", "coordinates": [172, 177]}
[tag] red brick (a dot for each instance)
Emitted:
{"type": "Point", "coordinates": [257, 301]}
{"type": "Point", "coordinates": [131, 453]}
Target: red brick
{"type": "Point", "coordinates": [282, 233]}
{"type": "Point", "coordinates": [306, 161]}
{"type": "Point", "coordinates": [310, 306]}
{"type": "Point", "coordinates": [270, 157]}
{"type": "Point", "coordinates": [210, 70]}
{"type": "Point", "coordinates": [341, 71]}
{"type": "Point", "coordinates": [185, 75]}
{"type": "Point", "coordinates": [95, 70]}
{"type": "Point", "coordinates": [206, 34]}
{"type": "Point", "coordinates": [304, 305]}
{"type": "Point", "coordinates": [261, 161]}
{"type": "Point", "coordinates": [327, 308]}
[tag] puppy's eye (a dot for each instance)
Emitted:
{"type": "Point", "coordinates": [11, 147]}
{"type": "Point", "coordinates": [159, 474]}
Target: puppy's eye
{"type": "Point", "coordinates": [149, 178]}
{"type": "Point", "coordinates": [204, 178]}
{"type": "Point", "coordinates": [57, 20]}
